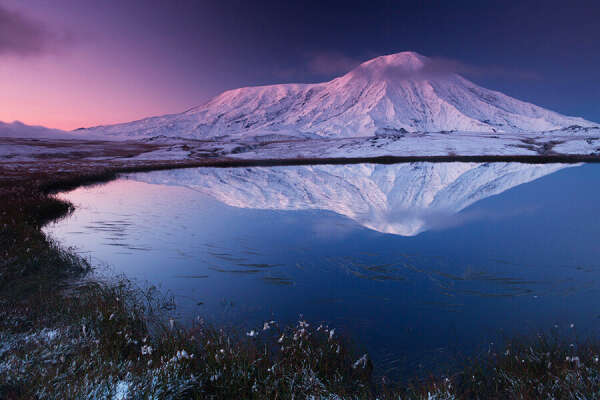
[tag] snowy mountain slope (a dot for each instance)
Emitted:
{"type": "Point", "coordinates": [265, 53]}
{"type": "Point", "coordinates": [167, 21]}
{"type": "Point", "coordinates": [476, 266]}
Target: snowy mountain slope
{"type": "Point", "coordinates": [402, 199]}
{"type": "Point", "coordinates": [387, 95]}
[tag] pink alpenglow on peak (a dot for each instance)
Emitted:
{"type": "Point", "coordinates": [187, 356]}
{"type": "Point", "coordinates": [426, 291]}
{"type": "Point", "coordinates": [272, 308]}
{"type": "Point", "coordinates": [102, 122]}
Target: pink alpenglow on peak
{"type": "Point", "coordinates": [407, 61]}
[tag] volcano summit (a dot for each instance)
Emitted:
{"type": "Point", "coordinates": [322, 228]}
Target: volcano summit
{"type": "Point", "coordinates": [393, 94]}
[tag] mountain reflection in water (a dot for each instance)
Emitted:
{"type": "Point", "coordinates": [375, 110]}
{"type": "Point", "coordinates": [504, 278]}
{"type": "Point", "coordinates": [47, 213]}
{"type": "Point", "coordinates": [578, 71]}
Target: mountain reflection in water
{"type": "Point", "coordinates": [400, 199]}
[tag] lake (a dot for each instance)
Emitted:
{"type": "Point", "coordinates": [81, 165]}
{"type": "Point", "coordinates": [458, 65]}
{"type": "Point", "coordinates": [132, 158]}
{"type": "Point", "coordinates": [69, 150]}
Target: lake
{"type": "Point", "coordinates": [419, 264]}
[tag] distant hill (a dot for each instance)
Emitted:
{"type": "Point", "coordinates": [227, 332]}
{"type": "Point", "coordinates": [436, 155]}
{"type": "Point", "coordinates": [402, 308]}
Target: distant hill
{"type": "Point", "coordinates": [20, 130]}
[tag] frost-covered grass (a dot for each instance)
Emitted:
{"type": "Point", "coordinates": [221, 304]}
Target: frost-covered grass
{"type": "Point", "coordinates": [100, 340]}
{"type": "Point", "coordinates": [62, 336]}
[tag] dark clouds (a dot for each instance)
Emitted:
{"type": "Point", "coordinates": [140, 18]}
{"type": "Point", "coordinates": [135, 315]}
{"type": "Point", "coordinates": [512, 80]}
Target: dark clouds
{"type": "Point", "coordinates": [317, 66]}
{"type": "Point", "coordinates": [24, 36]}
{"type": "Point", "coordinates": [331, 63]}
{"type": "Point", "coordinates": [435, 67]}
{"type": "Point", "coordinates": [326, 65]}
{"type": "Point", "coordinates": [447, 65]}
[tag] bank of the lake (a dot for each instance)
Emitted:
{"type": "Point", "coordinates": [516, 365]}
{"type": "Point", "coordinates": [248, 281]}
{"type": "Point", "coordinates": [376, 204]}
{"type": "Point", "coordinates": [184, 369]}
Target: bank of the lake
{"type": "Point", "coordinates": [63, 335]}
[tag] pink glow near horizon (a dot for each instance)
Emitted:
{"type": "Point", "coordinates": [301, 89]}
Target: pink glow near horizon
{"type": "Point", "coordinates": [108, 73]}
{"type": "Point", "coordinates": [77, 92]}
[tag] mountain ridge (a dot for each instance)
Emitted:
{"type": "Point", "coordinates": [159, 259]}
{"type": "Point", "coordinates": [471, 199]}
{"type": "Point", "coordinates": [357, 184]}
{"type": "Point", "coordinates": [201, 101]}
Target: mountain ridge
{"type": "Point", "coordinates": [397, 93]}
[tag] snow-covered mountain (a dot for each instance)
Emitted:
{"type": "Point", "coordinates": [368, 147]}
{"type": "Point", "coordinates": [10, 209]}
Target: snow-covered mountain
{"type": "Point", "coordinates": [389, 94]}
{"type": "Point", "coordinates": [402, 199]}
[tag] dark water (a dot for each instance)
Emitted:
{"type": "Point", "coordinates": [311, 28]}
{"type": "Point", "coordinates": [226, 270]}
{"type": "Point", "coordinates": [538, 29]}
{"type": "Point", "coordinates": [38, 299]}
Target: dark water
{"type": "Point", "coordinates": [418, 263]}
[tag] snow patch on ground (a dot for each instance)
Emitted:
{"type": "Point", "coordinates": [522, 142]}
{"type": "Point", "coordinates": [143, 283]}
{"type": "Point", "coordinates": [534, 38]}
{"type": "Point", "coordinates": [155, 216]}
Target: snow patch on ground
{"type": "Point", "coordinates": [31, 152]}
{"type": "Point", "coordinates": [589, 145]}
{"type": "Point", "coordinates": [14, 152]}
{"type": "Point", "coordinates": [175, 152]}
{"type": "Point", "coordinates": [426, 144]}
{"type": "Point", "coordinates": [121, 391]}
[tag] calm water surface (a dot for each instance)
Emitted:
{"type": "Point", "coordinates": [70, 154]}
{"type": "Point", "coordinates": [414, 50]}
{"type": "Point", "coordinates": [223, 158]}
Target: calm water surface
{"type": "Point", "coordinates": [417, 263]}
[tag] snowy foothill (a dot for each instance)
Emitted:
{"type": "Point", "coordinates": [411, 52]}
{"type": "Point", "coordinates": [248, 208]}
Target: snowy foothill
{"type": "Point", "coordinates": [580, 142]}
{"type": "Point", "coordinates": [584, 143]}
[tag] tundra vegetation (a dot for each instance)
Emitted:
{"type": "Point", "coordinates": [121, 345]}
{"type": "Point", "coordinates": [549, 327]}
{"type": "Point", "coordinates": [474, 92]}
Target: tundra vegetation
{"type": "Point", "coordinates": [64, 334]}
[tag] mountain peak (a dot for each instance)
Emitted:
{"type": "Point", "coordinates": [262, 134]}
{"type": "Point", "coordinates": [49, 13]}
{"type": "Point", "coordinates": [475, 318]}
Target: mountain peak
{"type": "Point", "coordinates": [406, 60]}
{"type": "Point", "coordinates": [406, 65]}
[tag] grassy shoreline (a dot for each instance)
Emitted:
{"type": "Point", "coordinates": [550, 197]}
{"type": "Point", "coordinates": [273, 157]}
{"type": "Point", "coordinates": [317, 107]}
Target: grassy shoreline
{"type": "Point", "coordinates": [64, 336]}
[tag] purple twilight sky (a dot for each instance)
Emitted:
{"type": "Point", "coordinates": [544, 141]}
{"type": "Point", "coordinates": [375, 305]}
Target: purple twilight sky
{"type": "Point", "coordinates": [72, 63]}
